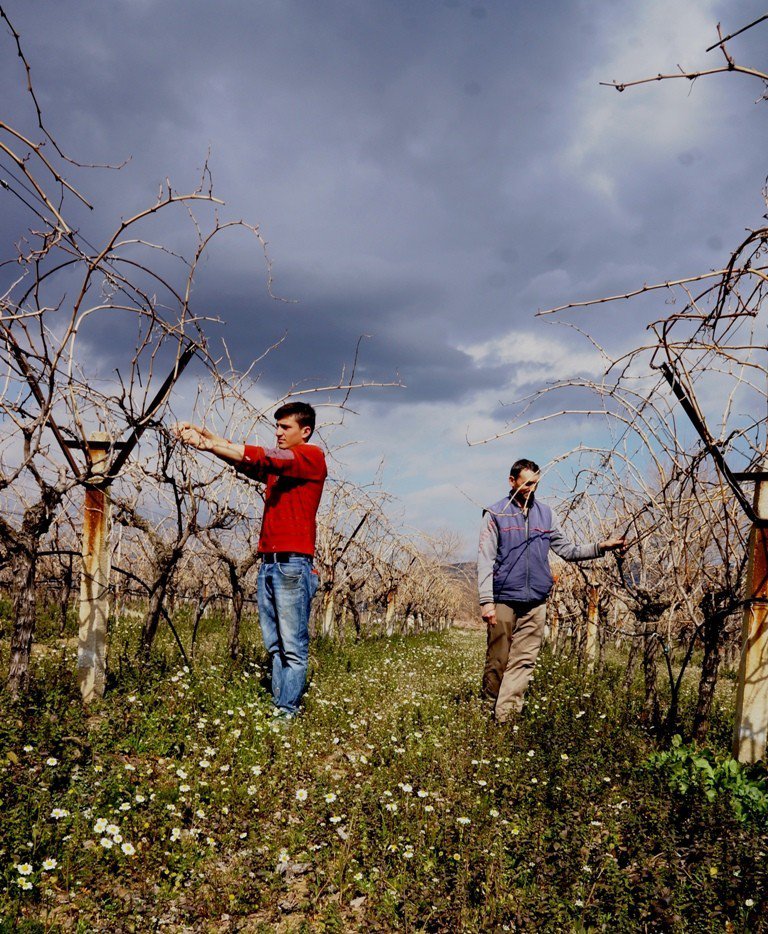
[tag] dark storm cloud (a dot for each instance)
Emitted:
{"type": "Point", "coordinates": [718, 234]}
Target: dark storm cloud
{"type": "Point", "coordinates": [427, 173]}
{"type": "Point", "coordinates": [349, 130]}
{"type": "Point", "coordinates": [401, 341]}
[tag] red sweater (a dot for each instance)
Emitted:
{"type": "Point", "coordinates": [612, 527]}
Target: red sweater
{"type": "Point", "coordinates": [294, 481]}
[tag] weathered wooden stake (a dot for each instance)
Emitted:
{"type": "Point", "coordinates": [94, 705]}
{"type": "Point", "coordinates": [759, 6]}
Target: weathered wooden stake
{"type": "Point", "coordinates": [593, 599]}
{"type": "Point", "coordinates": [751, 726]}
{"type": "Point", "coordinates": [94, 582]}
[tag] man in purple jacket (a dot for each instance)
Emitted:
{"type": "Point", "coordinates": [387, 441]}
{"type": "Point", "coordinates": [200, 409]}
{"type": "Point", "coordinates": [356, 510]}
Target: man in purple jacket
{"type": "Point", "coordinates": [514, 581]}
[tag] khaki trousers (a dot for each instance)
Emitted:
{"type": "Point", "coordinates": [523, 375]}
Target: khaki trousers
{"type": "Point", "coordinates": [512, 649]}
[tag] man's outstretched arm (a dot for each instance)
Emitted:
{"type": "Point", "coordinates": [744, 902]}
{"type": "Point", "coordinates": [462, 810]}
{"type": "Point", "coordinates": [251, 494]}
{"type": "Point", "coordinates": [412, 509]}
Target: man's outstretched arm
{"type": "Point", "coordinates": [570, 552]}
{"type": "Point", "coordinates": [205, 440]}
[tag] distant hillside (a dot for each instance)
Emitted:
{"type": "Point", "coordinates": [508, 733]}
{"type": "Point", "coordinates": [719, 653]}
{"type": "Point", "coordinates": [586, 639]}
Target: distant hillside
{"type": "Point", "coordinates": [465, 575]}
{"type": "Point", "coordinates": [462, 571]}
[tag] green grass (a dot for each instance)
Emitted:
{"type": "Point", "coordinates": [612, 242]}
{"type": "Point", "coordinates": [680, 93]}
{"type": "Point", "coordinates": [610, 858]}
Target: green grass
{"type": "Point", "coordinates": [393, 804]}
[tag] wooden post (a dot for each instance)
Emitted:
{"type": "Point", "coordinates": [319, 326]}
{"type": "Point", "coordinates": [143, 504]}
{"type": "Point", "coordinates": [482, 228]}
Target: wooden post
{"type": "Point", "coordinates": [751, 725]}
{"type": "Point", "coordinates": [94, 582]}
{"type": "Point", "coordinates": [593, 599]}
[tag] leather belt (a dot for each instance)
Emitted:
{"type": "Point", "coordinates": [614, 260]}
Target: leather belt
{"type": "Point", "coordinates": [280, 557]}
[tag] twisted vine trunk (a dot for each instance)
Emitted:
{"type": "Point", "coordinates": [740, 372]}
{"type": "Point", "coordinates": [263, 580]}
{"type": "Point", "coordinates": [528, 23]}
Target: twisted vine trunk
{"type": "Point", "coordinates": [24, 546]}
{"type": "Point", "coordinates": [238, 601]}
{"type": "Point", "coordinates": [237, 573]}
{"type": "Point", "coordinates": [710, 668]}
{"type": "Point", "coordinates": [24, 567]}
{"type": "Point", "coordinates": [202, 606]}
{"type": "Point", "coordinates": [650, 656]}
{"type": "Point", "coordinates": [168, 561]}
{"type": "Point", "coordinates": [154, 612]}
{"type": "Point", "coordinates": [350, 605]}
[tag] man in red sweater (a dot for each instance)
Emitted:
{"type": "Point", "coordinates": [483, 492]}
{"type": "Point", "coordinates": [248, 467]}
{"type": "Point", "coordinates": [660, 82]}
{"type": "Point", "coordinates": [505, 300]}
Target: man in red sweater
{"type": "Point", "coordinates": [294, 473]}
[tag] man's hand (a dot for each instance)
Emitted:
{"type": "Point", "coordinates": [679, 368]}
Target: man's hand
{"type": "Point", "coordinates": [613, 544]}
{"type": "Point", "coordinates": [194, 436]}
{"type": "Point", "coordinates": [204, 440]}
{"type": "Point", "coordinates": [488, 611]}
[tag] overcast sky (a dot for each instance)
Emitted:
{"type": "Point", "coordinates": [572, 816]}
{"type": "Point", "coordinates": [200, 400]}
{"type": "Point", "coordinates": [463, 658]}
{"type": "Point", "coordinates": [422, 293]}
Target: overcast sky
{"type": "Point", "coordinates": [428, 173]}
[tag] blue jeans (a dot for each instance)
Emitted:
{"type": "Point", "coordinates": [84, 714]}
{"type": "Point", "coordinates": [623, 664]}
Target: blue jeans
{"type": "Point", "coordinates": [285, 592]}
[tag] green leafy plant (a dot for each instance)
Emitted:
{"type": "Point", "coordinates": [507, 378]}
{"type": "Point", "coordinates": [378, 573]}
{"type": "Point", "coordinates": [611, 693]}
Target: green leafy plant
{"type": "Point", "coordinates": [688, 768]}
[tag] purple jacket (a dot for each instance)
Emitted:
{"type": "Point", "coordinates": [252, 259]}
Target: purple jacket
{"type": "Point", "coordinates": [513, 557]}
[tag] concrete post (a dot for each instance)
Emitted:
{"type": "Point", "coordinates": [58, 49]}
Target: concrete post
{"type": "Point", "coordinates": [553, 618]}
{"type": "Point", "coordinates": [591, 647]}
{"type": "Point", "coordinates": [751, 724]}
{"type": "Point", "coordinates": [390, 614]}
{"type": "Point", "coordinates": [94, 582]}
{"type": "Point", "coordinates": [329, 614]}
